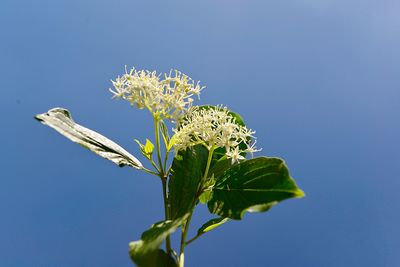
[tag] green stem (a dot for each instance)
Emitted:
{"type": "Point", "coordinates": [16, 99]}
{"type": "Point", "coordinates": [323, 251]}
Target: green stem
{"type": "Point", "coordinates": [165, 163]}
{"type": "Point", "coordinates": [193, 239]}
{"type": "Point", "coordinates": [210, 154]}
{"type": "Point", "coordinates": [166, 211]}
{"type": "Point", "coordinates": [183, 240]}
{"type": "Point", "coordinates": [164, 179]}
{"type": "Point", "coordinates": [149, 171]}
{"type": "Point", "coordinates": [155, 167]}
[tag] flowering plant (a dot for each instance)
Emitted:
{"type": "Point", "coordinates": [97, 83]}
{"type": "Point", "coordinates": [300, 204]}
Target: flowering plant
{"type": "Point", "coordinates": [208, 148]}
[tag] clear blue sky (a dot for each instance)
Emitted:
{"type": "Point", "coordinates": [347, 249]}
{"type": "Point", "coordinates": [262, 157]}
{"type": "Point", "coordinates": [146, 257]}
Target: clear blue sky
{"type": "Point", "coordinates": [317, 79]}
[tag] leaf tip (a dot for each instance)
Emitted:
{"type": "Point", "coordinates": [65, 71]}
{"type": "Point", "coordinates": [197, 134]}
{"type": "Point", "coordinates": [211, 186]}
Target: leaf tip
{"type": "Point", "coordinates": [40, 117]}
{"type": "Point", "coordinates": [299, 193]}
{"type": "Point", "coordinates": [37, 117]}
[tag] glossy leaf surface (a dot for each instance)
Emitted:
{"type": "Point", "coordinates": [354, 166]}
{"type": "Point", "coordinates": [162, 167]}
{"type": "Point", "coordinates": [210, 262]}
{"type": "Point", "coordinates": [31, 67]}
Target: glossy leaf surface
{"type": "Point", "coordinates": [254, 185]}
{"type": "Point", "coordinates": [187, 171]}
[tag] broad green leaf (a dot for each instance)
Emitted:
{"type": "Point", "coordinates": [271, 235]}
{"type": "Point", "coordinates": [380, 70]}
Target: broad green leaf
{"type": "Point", "coordinates": [146, 252]}
{"type": "Point", "coordinates": [60, 120]}
{"type": "Point", "coordinates": [187, 170]}
{"type": "Point", "coordinates": [254, 185]}
{"type": "Point", "coordinates": [219, 167]}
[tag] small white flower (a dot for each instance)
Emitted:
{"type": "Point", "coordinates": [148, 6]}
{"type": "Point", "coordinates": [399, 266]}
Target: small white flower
{"type": "Point", "coordinates": [234, 155]}
{"type": "Point", "coordinates": [251, 149]}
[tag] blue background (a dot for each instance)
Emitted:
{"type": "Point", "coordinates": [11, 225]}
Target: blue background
{"type": "Point", "coordinates": [317, 79]}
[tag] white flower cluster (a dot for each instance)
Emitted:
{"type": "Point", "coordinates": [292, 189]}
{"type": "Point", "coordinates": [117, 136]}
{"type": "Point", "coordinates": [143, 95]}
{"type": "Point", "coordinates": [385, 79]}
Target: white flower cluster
{"type": "Point", "coordinates": [168, 98]}
{"type": "Point", "coordinates": [213, 128]}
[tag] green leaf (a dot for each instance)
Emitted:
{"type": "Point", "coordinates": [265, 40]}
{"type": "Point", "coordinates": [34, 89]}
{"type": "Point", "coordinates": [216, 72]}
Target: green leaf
{"type": "Point", "coordinates": [211, 224]}
{"type": "Point", "coordinates": [208, 226]}
{"type": "Point", "coordinates": [187, 171]}
{"type": "Point", "coordinates": [219, 167]}
{"type": "Point", "coordinates": [148, 148]}
{"type": "Point", "coordinates": [254, 185]}
{"type": "Point", "coordinates": [154, 259]}
{"type": "Point", "coordinates": [60, 120]}
{"type": "Point", "coordinates": [146, 252]}
{"type": "Point", "coordinates": [205, 196]}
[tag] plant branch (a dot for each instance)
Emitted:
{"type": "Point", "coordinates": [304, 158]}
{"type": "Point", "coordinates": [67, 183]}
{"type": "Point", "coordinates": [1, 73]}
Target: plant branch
{"type": "Point", "coordinates": [193, 239]}
{"type": "Point", "coordinates": [165, 163]}
{"type": "Point", "coordinates": [164, 179]}
{"type": "Point", "coordinates": [210, 154]}
{"type": "Point", "coordinates": [150, 171]}
{"type": "Point", "coordinates": [155, 166]}
{"type": "Point", "coordinates": [185, 229]}
{"type": "Point", "coordinates": [166, 211]}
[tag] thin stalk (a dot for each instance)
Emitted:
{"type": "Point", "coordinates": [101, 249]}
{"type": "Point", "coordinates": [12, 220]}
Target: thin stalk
{"type": "Point", "coordinates": [183, 240]}
{"type": "Point", "coordinates": [166, 211]}
{"type": "Point", "coordinates": [164, 179]}
{"type": "Point", "coordinates": [210, 154]}
{"type": "Point", "coordinates": [151, 172]}
{"type": "Point", "coordinates": [165, 162]}
{"type": "Point", "coordinates": [155, 167]}
{"type": "Point", "coordinates": [193, 239]}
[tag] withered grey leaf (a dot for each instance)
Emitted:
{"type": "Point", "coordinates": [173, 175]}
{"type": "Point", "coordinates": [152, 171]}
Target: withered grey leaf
{"type": "Point", "coordinates": [60, 120]}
